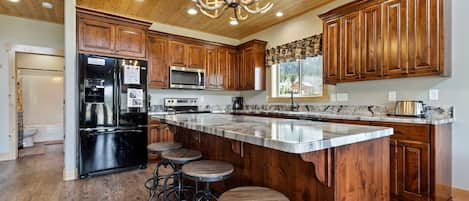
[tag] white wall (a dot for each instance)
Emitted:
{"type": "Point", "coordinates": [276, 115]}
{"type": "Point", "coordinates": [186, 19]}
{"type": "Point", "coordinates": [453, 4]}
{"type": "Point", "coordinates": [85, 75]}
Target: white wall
{"type": "Point", "coordinates": [453, 91]}
{"type": "Point", "coordinates": [14, 31]}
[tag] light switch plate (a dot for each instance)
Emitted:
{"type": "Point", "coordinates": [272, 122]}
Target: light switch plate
{"type": "Point", "coordinates": [433, 94]}
{"type": "Point", "coordinates": [342, 97]}
{"type": "Point", "coordinates": [392, 96]}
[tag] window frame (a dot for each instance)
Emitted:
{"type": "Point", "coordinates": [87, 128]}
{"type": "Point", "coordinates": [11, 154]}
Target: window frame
{"type": "Point", "coordinates": [276, 99]}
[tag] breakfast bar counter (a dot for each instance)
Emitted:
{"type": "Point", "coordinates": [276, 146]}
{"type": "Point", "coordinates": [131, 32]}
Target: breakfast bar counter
{"type": "Point", "coordinates": [305, 160]}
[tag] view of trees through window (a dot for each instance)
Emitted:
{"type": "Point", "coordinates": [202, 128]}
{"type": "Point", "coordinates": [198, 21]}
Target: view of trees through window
{"type": "Point", "coordinates": [303, 77]}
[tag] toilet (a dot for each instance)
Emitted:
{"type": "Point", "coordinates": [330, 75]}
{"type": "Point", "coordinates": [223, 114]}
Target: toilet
{"type": "Point", "coordinates": [28, 134]}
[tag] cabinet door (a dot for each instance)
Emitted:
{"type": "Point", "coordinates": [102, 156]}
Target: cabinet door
{"type": "Point", "coordinates": [423, 36]}
{"type": "Point", "coordinates": [247, 73]}
{"type": "Point", "coordinates": [196, 56]}
{"type": "Point", "coordinates": [394, 168]}
{"type": "Point", "coordinates": [331, 51]}
{"type": "Point", "coordinates": [177, 54]}
{"type": "Point", "coordinates": [159, 69]}
{"type": "Point", "coordinates": [222, 55]}
{"type": "Point", "coordinates": [96, 36]}
{"type": "Point", "coordinates": [413, 170]}
{"type": "Point", "coordinates": [130, 41]}
{"type": "Point", "coordinates": [211, 69]}
{"type": "Point", "coordinates": [350, 48]}
{"type": "Point", "coordinates": [394, 38]}
{"type": "Point", "coordinates": [232, 70]}
{"type": "Point", "coordinates": [371, 44]}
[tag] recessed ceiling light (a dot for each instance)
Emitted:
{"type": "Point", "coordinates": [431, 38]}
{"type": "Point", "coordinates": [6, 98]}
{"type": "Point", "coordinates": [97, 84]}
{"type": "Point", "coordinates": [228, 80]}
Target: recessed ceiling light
{"type": "Point", "coordinates": [279, 14]}
{"type": "Point", "coordinates": [47, 5]}
{"type": "Point", "coordinates": [14, 1]}
{"type": "Point", "coordinates": [234, 22]}
{"type": "Point", "coordinates": [192, 11]}
{"type": "Point", "coordinates": [139, 1]}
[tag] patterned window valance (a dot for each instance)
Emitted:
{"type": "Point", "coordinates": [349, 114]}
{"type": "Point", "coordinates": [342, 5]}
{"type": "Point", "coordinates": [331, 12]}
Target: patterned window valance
{"type": "Point", "coordinates": [307, 47]}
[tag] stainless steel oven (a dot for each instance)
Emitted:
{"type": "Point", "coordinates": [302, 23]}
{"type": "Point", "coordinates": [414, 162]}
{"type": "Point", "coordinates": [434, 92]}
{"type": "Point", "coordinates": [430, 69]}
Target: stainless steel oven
{"type": "Point", "coordinates": [186, 78]}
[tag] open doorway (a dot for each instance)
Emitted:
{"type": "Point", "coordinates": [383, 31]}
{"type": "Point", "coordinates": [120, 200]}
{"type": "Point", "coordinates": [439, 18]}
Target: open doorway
{"type": "Point", "coordinates": [37, 99]}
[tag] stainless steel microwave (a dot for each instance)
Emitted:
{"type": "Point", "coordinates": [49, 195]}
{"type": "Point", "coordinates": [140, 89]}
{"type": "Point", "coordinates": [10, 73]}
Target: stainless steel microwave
{"type": "Point", "coordinates": [186, 78]}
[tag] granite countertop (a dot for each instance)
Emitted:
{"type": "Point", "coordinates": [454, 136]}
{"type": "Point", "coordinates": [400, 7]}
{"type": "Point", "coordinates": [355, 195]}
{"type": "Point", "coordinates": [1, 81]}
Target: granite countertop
{"type": "Point", "coordinates": [381, 118]}
{"type": "Point", "coordinates": [288, 135]}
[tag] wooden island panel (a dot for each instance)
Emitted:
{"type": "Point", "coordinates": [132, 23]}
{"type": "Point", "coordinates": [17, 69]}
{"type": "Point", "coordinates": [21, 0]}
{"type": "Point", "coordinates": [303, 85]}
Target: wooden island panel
{"type": "Point", "coordinates": [354, 172]}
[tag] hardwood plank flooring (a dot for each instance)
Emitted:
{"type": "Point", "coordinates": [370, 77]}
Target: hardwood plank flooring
{"type": "Point", "coordinates": [39, 178]}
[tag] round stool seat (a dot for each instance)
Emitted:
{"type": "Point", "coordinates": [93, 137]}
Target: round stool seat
{"type": "Point", "coordinates": [181, 156]}
{"type": "Point", "coordinates": [208, 170]}
{"type": "Point", "coordinates": [163, 146]}
{"type": "Point", "coordinates": [252, 193]}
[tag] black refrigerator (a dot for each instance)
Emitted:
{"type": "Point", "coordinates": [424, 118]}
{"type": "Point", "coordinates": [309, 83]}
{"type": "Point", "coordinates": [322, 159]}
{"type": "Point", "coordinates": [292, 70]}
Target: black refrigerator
{"type": "Point", "coordinates": [113, 114]}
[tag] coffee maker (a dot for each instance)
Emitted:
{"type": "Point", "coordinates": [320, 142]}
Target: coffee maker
{"type": "Point", "coordinates": [237, 103]}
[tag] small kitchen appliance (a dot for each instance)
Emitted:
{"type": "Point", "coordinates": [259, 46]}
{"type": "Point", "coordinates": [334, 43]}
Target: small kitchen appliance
{"type": "Point", "coordinates": [410, 109]}
{"type": "Point", "coordinates": [237, 103]}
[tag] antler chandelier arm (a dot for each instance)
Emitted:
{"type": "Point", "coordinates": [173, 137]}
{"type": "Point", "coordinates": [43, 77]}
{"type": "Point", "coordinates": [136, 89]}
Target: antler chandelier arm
{"type": "Point", "coordinates": [215, 8]}
{"type": "Point", "coordinates": [216, 5]}
{"type": "Point", "coordinates": [238, 15]}
{"type": "Point", "coordinates": [258, 10]}
{"type": "Point", "coordinates": [217, 13]}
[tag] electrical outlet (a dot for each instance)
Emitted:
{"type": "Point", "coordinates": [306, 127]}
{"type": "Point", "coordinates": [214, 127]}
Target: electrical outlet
{"type": "Point", "coordinates": [433, 94]}
{"type": "Point", "coordinates": [342, 97]}
{"type": "Point", "coordinates": [392, 96]}
{"type": "Point", "coordinates": [333, 97]}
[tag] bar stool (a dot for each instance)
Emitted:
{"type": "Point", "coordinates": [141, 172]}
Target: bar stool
{"type": "Point", "coordinates": [157, 148]}
{"type": "Point", "coordinates": [251, 193]}
{"type": "Point", "coordinates": [207, 171]}
{"type": "Point", "coordinates": [178, 157]}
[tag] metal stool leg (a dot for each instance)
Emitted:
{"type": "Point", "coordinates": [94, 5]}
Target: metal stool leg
{"type": "Point", "coordinates": [156, 177]}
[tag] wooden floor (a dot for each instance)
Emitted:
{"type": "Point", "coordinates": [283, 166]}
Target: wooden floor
{"type": "Point", "coordinates": [39, 178]}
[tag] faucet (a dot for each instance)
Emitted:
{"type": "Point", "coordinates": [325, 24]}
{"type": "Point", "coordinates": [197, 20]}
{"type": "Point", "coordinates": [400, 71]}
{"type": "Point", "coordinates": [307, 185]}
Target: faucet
{"type": "Point", "coordinates": [293, 107]}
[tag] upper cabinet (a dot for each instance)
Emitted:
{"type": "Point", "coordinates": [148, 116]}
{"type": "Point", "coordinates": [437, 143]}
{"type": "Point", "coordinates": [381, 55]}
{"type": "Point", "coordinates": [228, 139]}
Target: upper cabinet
{"type": "Point", "coordinates": [252, 65]}
{"type": "Point", "coordinates": [369, 40]}
{"type": "Point", "coordinates": [158, 73]}
{"type": "Point", "coordinates": [108, 35]}
{"type": "Point", "coordinates": [184, 54]}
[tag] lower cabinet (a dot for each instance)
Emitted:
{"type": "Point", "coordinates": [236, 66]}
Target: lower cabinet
{"type": "Point", "coordinates": [158, 132]}
{"type": "Point", "coordinates": [412, 160]}
{"type": "Point", "coordinates": [420, 160]}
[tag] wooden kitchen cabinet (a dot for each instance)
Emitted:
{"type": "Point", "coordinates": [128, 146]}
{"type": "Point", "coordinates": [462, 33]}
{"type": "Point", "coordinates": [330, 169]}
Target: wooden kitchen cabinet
{"type": "Point", "coordinates": [398, 39]}
{"type": "Point", "coordinates": [130, 41]}
{"type": "Point", "coordinates": [413, 170]}
{"type": "Point", "coordinates": [350, 47]}
{"type": "Point", "coordinates": [108, 35]}
{"type": "Point", "coordinates": [96, 36]}
{"type": "Point", "coordinates": [177, 54]}
{"type": "Point", "coordinates": [231, 75]}
{"type": "Point", "coordinates": [196, 56]}
{"type": "Point", "coordinates": [371, 43]}
{"type": "Point", "coordinates": [252, 66]}
{"type": "Point", "coordinates": [331, 40]}
{"type": "Point", "coordinates": [158, 72]}
{"type": "Point", "coordinates": [183, 54]}
{"type": "Point", "coordinates": [158, 132]}
{"type": "Point", "coordinates": [211, 68]}
{"type": "Point", "coordinates": [395, 38]}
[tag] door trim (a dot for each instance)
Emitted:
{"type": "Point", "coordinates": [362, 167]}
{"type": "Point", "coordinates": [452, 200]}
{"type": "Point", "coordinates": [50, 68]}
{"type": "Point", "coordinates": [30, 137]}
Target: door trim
{"type": "Point", "coordinates": [12, 117]}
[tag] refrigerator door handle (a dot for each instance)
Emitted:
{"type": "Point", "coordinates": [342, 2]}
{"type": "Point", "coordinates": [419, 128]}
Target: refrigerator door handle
{"type": "Point", "coordinates": [118, 93]}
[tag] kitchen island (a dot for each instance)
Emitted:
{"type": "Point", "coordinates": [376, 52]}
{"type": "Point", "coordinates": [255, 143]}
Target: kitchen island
{"type": "Point", "coordinates": [305, 160]}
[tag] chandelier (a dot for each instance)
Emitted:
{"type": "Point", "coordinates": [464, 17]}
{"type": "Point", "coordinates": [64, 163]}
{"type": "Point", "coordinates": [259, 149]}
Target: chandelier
{"type": "Point", "coordinates": [241, 8]}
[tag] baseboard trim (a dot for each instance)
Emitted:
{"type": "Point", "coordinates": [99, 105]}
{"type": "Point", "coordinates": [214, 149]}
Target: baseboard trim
{"type": "Point", "coordinates": [70, 175]}
{"type": "Point", "coordinates": [460, 194]}
{"type": "Point", "coordinates": [6, 157]}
